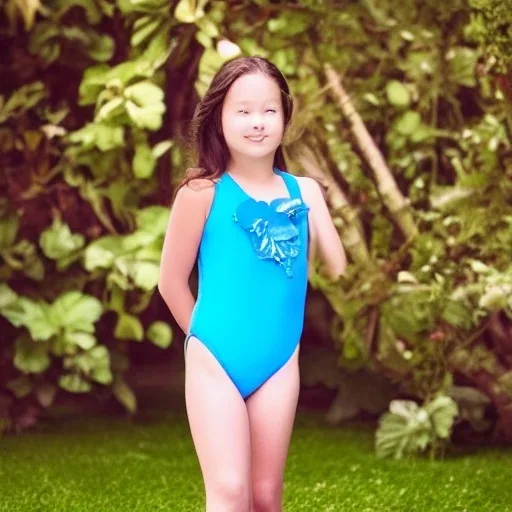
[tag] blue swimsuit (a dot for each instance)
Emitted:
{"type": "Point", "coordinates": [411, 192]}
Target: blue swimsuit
{"type": "Point", "coordinates": [253, 269]}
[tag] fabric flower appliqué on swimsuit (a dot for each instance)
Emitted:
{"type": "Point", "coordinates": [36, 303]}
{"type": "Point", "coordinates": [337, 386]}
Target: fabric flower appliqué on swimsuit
{"type": "Point", "coordinates": [273, 234]}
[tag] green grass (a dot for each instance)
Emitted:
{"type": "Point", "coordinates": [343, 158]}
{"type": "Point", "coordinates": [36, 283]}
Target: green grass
{"type": "Point", "coordinates": [111, 464]}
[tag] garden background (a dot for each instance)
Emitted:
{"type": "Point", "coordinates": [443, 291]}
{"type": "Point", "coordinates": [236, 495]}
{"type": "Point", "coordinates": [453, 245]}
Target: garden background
{"type": "Point", "coordinates": [403, 112]}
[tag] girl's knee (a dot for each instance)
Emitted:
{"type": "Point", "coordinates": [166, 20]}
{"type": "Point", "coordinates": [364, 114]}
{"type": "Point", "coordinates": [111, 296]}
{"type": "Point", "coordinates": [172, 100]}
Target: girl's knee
{"type": "Point", "coordinates": [266, 497]}
{"type": "Point", "coordinates": [230, 489]}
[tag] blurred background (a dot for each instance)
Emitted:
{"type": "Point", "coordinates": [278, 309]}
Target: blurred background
{"type": "Point", "coordinates": [402, 112]}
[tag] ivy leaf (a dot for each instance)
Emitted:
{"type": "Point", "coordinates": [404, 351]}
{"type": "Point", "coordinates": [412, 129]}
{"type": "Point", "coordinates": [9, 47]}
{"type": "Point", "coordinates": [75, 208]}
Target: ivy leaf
{"type": "Point", "coordinates": [129, 327]}
{"type": "Point", "coordinates": [160, 334]}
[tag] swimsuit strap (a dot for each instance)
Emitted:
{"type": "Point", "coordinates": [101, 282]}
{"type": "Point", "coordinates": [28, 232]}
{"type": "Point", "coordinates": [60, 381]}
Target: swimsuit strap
{"type": "Point", "coordinates": [291, 184]}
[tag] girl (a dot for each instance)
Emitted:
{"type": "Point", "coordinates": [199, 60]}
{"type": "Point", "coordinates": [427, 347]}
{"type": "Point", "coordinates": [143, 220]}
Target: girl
{"type": "Point", "coordinates": [250, 222]}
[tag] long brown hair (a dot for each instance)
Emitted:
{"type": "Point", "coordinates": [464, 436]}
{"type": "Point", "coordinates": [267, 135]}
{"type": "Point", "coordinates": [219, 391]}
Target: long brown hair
{"type": "Point", "coordinates": [207, 139]}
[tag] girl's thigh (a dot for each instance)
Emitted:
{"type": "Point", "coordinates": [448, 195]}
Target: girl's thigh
{"type": "Point", "coordinates": [218, 420]}
{"type": "Point", "coordinates": [271, 410]}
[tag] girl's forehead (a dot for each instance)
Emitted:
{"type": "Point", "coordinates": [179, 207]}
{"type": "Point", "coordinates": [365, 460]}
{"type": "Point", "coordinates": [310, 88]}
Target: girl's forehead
{"type": "Point", "coordinates": [253, 87]}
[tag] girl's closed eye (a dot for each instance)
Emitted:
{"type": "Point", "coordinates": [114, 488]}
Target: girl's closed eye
{"type": "Point", "coordinates": [272, 110]}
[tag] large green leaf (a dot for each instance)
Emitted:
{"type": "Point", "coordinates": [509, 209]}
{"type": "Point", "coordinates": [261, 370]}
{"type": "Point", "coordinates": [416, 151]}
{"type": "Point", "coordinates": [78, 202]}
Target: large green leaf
{"type": "Point", "coordinates": [403, 431]}
{"type": "Point", "coordinates": [77, 311]}
{"type": "Point", "coordinates": [442, 411]}
{"type": "Point", "coordinates": [57, 241]}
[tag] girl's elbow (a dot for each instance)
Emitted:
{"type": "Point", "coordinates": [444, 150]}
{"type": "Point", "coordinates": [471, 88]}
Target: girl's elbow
{"type": "Point", "coordinates": [166, 285]}
{"type": "Point", "coordinates": [171, 284]}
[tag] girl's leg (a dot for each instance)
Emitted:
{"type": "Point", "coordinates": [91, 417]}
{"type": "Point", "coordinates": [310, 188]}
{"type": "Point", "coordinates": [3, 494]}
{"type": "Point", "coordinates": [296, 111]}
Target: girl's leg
{"type": "Point", "coordinates": [271, 411]}
{"type": "Point", "coordinates": [220, 431]}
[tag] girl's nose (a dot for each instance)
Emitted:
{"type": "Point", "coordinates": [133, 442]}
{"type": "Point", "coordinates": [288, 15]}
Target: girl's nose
{"type": "Point", "coordinates": [258, 122]}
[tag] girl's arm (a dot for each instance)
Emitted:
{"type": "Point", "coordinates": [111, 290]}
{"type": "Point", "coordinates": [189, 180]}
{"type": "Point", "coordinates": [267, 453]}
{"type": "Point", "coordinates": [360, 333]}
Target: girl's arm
{"type": "Point", "coordinates": [324, 236]}
{"type": "Point", "coordinates": [181, 243]}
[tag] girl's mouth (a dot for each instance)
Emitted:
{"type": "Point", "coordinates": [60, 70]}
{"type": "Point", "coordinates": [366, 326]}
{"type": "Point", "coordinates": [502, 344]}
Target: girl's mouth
{"type": "Point", "coordinates": [256, 139]}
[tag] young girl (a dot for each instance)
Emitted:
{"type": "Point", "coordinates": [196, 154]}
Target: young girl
{"type": "Point", "coordinates": [252, 224]}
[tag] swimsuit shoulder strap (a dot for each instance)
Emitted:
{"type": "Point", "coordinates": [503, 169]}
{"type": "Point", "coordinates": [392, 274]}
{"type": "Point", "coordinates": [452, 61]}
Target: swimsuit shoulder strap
{"type": "Point", "coordinates": [291, 184]}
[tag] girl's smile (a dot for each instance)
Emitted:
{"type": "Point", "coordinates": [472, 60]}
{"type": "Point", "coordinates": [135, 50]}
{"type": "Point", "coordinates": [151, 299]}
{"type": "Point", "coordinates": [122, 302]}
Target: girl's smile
{"type": "Point", "coordinates": [256, 138]}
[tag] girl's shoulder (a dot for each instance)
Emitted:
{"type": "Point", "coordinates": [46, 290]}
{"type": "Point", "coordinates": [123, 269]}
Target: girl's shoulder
{"type": "Point", "coordinates": [310, 188]}
{"type": "Point", "coordinates": [198, 193]}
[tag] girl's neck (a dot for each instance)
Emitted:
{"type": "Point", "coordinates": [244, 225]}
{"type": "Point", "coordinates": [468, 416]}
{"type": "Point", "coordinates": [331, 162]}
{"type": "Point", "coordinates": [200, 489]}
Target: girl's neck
{"type": "Point", "coordinates": [250, 169]}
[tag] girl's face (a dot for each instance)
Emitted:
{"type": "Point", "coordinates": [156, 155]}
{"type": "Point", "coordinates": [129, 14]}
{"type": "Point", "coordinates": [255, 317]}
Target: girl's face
{"type": "Point", "coordinates": [253, 117]}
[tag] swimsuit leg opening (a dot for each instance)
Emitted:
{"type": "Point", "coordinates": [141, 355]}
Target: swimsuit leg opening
{"type": "Point", "coordinates": [247, 395]}
{"type": "Point", "coordinates": [214, 355]}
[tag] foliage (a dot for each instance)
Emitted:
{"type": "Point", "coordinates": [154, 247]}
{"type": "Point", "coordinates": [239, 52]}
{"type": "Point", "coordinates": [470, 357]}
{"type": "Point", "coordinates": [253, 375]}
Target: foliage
{"type": "Point", "coordinates": [491, 25]}
{"type": "Point", "coordinates": [78, 239]}
{"type": "Point", "coordinates": [92, 116]}
{"type": "Point", "coordinates": [408, 429]}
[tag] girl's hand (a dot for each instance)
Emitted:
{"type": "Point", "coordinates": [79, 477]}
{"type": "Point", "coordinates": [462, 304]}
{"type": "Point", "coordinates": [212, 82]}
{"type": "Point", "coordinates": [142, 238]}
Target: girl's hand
{"type": "Point", "coordinates": [323, 233]}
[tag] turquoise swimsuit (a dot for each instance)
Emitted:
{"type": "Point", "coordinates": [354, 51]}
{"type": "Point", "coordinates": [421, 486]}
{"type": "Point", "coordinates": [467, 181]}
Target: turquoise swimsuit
{"type": "Point", "coordinates": [253, 269]}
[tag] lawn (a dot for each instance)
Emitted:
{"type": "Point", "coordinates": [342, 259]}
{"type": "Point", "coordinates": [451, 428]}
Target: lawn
{"type": "Point", "coordinates": [110, 464]}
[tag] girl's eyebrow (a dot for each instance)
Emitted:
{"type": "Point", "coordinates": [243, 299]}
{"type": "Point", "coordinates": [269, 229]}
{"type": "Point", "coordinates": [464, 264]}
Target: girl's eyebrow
{"type": "Point", "coordinates": [249, 102]}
